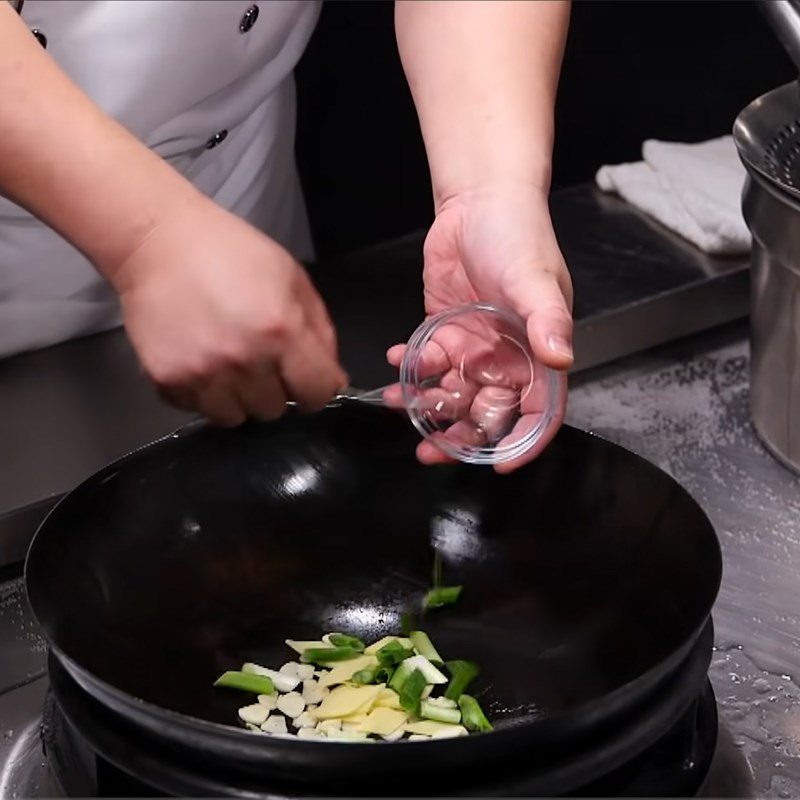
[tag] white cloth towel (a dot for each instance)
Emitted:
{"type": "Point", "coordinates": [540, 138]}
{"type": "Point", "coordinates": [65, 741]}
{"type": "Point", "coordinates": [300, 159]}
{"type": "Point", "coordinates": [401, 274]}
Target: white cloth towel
{"type": "Point", "coordinates": [693, 189]}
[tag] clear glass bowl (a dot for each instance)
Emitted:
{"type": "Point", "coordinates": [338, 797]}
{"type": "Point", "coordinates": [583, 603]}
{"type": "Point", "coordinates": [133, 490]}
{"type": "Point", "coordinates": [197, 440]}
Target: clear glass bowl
{"type": "Point", "coordinates": [472, 386]}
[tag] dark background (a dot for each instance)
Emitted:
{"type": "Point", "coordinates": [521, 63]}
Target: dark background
{"type": "Point", "coordinates": [632, 71]}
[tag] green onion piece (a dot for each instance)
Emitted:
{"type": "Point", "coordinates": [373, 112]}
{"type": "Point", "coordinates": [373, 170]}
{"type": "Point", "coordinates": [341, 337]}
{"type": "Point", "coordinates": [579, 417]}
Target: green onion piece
{"type": "Point", "coordinates": [392, 653]}
{"type": "Point", "coordinates": [342, 640]}
{"type": "Point", "coordinates": [246, 682]}
{"type": "Point", "coordinates": [400, 676]}
{"type": "Point", "coordinates": [364, 676]}
{"type": "Point", "coordinates": [439, 713]}
{"type": "Point", "coordinates": [424, 646]}
{"type": "Point", "coordinates": [441, 596]}
{"type": "Point", "coordinates": [472, 715]}
{"type": "Point", "coordinates": [321, 655]}
{"type": "Point", "coordinates": [372, 675]}
{"type": "Point", "coordinates": [411, 691]}
{"type": "Point", "coordinates": [462, 673]}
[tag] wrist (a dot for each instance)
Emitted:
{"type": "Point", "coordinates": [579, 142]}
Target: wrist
{"type": "Point", "coordinates": [175, 207]}
{"type": "Point", "coordinates": [534, 190]}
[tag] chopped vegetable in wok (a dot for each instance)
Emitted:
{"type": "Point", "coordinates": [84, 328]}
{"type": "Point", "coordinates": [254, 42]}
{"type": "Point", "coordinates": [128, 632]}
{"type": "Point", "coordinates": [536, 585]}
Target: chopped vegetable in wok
{"type": "Point", "coordinates": [341, 640]}
{"type": "Point", "coordinates": [375, 674]}
{"type": "Point", "coordinates": [395, 689]}
{"type": "Point", "coordinates": [258, 684]}
{"type": "Point", "coordinates": [281, 681]}
{"type": "Point", "coordinates": [472, 715]}
{"type": "Point", "coordinates": [441, 596]}
{"type": "Point", "coordinates": [430, 710]}
{"type": "Point", "coordinates": [424, 646]}
{"type": "Point", "coordinates": [411, 691]}
{"type": "Point", "coordinates": [326, 655]}
{"type": "Point", "coordinates": [462, 673]}
{"type": "Point", "coordinates": [393, 653]}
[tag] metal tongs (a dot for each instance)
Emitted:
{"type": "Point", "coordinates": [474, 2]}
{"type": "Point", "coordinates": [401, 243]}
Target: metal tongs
{"type": "Point", "coordinates": [374, 397]}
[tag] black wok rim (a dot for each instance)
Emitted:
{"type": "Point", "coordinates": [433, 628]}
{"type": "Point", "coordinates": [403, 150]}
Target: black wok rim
{"type": "Point", "coordinates": [157, 716]}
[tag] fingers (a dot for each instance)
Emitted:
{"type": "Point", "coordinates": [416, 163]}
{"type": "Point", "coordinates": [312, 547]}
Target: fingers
{"type": "Point", "coordinates": [394, 355]}
{"type": "Point", "coordinates": [433, 360]}
{"type": "Point", "coordinates": [217, 401]}
{"type": "Point", "coordinates": [493, 411]}
{"type": "Point", "coordinates": [539, 298]}
{"type": "Point", "coordinates": [233, 395]}
{"type": "Point", "coordinates": [532, 414]}
{"type": "Point", "coordinates": [486, 356]}
{"type": "Point", "coordinates": [429, 454]}
{"type": "Point", "coordinates": [461, 433]}
{"type": "Point", "coordinates": [258, 386]}
{"type": "Point", "coordinates": [261, 393]}
{"type": "Point", "coordinates": [311, 375]}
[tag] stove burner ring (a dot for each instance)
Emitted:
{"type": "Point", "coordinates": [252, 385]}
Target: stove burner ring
{"type": "Point", "coordinates": [675, 734]}
{"type": "Point", "coordinates": [677, 765]}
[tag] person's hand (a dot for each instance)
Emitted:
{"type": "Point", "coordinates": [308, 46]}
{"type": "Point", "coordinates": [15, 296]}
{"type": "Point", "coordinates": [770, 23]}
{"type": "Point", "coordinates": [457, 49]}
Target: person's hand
{"type": "Point", "coordinates": [497, 245]}
{"type": "Point", "coordinates": [225, 321]}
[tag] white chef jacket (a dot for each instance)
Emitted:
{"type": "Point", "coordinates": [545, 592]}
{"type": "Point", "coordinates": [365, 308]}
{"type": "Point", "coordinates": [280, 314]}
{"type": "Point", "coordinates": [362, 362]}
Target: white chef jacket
{"type": "Point", "coordinates": [206, 84]}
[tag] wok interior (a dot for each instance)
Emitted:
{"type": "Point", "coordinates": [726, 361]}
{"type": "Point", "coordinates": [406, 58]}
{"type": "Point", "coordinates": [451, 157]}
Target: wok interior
{"type": "Point", "coordinates": [581, 571]}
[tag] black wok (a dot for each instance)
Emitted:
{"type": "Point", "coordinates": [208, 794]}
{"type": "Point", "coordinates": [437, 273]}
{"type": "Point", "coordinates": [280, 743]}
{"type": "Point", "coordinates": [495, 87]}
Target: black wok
{"type": "Point", "coordinates": [589, 575]}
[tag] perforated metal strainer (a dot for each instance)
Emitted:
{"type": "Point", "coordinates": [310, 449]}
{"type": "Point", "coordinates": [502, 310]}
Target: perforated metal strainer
{"type": "Point", "coordinates": [767, 134]}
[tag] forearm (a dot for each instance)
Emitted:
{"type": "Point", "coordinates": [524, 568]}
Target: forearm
{"type": "Point", "coordinates": [69, 164]}
{"type": "Point", "coordinates": [483, 76]}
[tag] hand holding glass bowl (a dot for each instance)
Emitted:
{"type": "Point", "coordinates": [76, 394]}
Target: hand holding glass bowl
{"type": "Point", "coordinates": [474, 390]}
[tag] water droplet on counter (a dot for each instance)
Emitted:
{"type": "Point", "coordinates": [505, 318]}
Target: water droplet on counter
{"type": "Point", "coordinates": [761, 685]}
{"type": "Point", "coordinates": [781, 786]}
{"type": "Point", "coordinates": [8, 734]}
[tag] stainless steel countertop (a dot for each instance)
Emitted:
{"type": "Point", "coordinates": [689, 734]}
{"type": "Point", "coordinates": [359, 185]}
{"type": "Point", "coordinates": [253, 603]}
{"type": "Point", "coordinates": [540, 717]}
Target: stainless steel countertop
{"type": "Point", "coordinates": [685, 408]}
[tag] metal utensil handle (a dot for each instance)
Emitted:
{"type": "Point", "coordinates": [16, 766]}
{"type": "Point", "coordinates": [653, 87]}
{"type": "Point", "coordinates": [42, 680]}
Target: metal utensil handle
{"type": "Point", "coordinates": [375, 396]}
{"type": "Point", "coordinates": [784, 19]}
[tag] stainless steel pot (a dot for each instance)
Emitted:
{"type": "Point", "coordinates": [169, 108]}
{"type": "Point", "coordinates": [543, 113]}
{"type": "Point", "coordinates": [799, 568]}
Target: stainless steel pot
{"type": "Point", "coordinates": [774, 219]}
{"type": "Point", "coordinates": [767, 134]}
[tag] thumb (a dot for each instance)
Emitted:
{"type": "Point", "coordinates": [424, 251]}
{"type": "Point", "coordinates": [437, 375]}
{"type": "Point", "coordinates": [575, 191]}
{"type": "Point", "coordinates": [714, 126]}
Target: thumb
{"type": "Point", "coordinates": [539, 299]}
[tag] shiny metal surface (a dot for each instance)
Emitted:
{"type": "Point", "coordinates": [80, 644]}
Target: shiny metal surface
{"type": "Point", "coordinates": [686, 408]}
{"type": "Point", "coordinates": [774, 219]}
{"type": "Point", "coordinates": [23, 649]}
{"type": "Point", "coordinates": [24, 771]}
{"type": "Point", "coordinates": [767, 135]}
{"type": "Point", "coordinates": [16, 527]}
{"type": "Point", "coordinates": [64, 411]}
{"type": "Point", "coordinates": [636, 284]}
